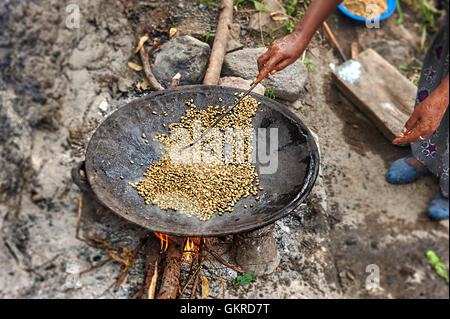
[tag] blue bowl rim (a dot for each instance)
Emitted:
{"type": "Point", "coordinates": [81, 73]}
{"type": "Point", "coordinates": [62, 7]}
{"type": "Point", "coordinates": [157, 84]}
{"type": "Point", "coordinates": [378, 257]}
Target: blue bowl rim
{"type": "Point", "coordinates": [392, 5]}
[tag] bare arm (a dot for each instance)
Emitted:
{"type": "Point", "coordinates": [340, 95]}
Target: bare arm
{"type": "Point", "coordinates": [288, 49]}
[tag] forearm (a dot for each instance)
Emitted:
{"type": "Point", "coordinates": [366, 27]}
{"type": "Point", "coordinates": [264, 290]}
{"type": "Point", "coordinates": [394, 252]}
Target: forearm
{"type": "Point", "coordinates": [442, 98]}
{"type": "Point", "coordinates": [318, 11]}
{"type": "Point", "coordinates": [286, 50]}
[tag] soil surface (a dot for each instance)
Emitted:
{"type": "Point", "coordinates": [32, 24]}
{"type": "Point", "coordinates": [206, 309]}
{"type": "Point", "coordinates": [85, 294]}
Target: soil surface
{"type": "Point", "coordinates": [58, 83]}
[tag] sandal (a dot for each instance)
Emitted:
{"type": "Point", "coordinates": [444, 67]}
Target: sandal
{"type": "Point", "coordinates": [401, 172]}
{"type": "Point", "coordinates": [438, 208]}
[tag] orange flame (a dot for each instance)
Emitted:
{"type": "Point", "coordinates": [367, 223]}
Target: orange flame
{"type": "Point", "coordinates": [189, 248]}
{"type": "Point", "coordinates": [164, 240]}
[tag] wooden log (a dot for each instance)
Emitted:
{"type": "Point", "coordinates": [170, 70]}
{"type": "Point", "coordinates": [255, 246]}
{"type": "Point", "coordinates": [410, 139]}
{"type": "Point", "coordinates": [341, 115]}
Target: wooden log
{"type": "Point", "coordinates": [171, 277]}
{"type": "Point", "coordinates": [220, 44]}
{"type": "Point", "coordinates": [378, 89]}
{"type": "Point", "coordinates": [152, 257]}
{"type": "Point", "coordinates": [152, 287]}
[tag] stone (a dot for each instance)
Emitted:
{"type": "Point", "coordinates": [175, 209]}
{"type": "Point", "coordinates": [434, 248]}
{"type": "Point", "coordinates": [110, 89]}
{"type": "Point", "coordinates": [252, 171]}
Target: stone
{"type": "Point", "coordinates": [288, 84]}
{"type": "Point", "coordinates": [15, 150]}
{"type": "Point", "coordinates": [267, 23]}
{"type": "Point", "coordinates": [233, 42]}
{"type": "Point", "coordinates": [240, 83]}
{"type": "Point", "coordinates": [247, 248]}
{"type": "Point", "coordinates": [185, 55]}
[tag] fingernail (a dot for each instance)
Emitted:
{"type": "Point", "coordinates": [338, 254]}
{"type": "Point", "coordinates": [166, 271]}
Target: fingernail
{"type": "Point", "coordinates": [273, 72]}
{"type": "Point", "coordinates": [404, 130]}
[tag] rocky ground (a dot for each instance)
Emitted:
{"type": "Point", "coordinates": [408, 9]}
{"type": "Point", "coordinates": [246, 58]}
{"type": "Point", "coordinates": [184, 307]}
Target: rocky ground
{"type": "Point", "coordinates": [58, 83]}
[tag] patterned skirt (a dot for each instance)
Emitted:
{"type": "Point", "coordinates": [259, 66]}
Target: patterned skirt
{"type": "Point", "coordinates": [434, 151]}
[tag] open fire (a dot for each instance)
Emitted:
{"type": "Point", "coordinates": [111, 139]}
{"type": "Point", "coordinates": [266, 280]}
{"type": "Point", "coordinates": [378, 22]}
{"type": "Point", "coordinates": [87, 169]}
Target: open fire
{"type": "Point", "coordinates": [191, 245]}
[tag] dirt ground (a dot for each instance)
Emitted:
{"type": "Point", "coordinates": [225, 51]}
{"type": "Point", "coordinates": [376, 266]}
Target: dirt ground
{"type": "Point", "coordinates": [53, 80]}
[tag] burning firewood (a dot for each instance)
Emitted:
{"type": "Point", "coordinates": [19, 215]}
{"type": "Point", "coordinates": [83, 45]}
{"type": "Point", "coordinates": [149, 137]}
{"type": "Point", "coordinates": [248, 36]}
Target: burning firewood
{"type": "Point", "coordinates": [171, 276]}
{"type": "Point", "coordinates": [152, 288]}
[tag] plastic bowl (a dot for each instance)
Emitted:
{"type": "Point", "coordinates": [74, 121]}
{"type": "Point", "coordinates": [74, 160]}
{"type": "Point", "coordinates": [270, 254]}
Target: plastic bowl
{"type": "Point", "coordinates": [392, 4]}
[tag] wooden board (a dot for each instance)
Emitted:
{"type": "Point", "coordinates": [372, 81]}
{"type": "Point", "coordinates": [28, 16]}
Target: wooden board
{"type": "Point", "coordinates": [378, 89]}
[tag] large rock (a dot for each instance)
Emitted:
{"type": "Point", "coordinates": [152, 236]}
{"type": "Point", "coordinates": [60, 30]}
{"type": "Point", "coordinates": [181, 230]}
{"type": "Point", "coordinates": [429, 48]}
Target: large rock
{"type": "Point", "coordinates": [185, 55]}
{"type": "Point", "coordinates": [288, 84]}
{"type": "Point", "coordinates": [240, 83]}
{"type": "Point", "coordinates": [267, 23]}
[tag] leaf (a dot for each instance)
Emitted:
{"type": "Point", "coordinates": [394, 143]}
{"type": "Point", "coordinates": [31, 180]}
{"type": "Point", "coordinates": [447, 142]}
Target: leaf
{"type": "Point", "coordinates": [244, 280]}
{"type": "Point", "coordinates": [424, 36]}
{"type": "Point", "coordinates": [207, 36]}
{"type": "Point", "coordinates": [205, 286]}
{"type": "Point", "coordinates": [172, 32]}
{"type": "Point", "coordinates": [400, 13]}
{"type": "Point", "coordinates": [437, 264]}
{"type": "Point", "coordinates": [142, 40]}
{"type": "Point", "coordinates": [258, 6]}
{"type": "Point", "coordinates": [310, 65]}
{"type": "Point", "coordinates": [409, 68]}
{"type": "Point", "coordinates": [135, 66]}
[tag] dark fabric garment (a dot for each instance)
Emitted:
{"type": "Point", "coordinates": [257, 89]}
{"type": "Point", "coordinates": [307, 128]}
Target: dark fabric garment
{"type": "Point", "coordinates": [434, 151]}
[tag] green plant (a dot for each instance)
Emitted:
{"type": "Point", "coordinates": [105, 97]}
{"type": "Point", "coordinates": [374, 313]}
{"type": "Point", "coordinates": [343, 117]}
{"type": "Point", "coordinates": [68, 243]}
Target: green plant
{"type": "Point", "coordinates": [243, 280]}
{"type": "Point", "coordinates": [310, 65]}
{"type": "Point", "coordinates": [411, 72]}
{"type": "Point", "coordinates": [400, 13]}
{"type": "Point", "coordinates": [437, 264]}
{"type": "Point", "coordinates": [269, 94]}
{"type": "Point", "coordinates": [295, 12]}
{"type": "Point", "coordinates": [258, 6]}
{"type": "Point", "coordinates": [430, 13]}
{"type": "Point", "coordinates": [424, 35]}
{"type": "Point", "coordinates": [207, 1]}
{"type": "Point", "coordinates": [408, 68]}
{"type": "Point", "coordinates": [207, 36]}
{"type": "Point", "coordinates": [289, 26]}
{"type": "Point", "coordinates": [290, 6]}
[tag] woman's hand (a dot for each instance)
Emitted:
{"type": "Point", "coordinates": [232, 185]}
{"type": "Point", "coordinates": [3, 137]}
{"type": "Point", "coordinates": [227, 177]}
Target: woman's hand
{"type": "Point", "coordinates": [281, 53]}
{"type": "Point", "coordinates": [286, 50]}
{"type": "Point", "coordinates": [427, 116]}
